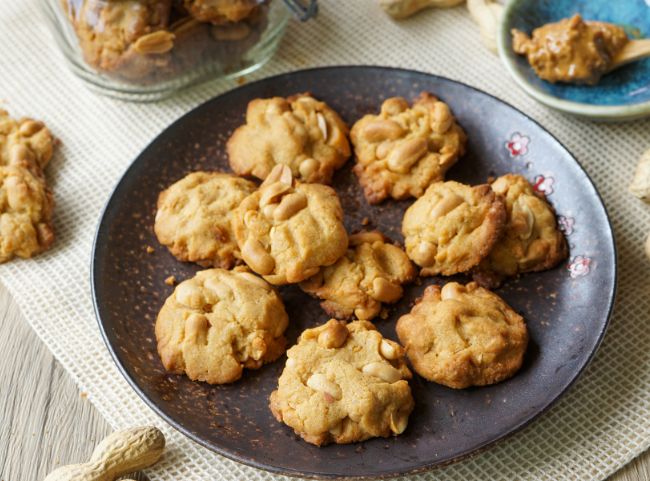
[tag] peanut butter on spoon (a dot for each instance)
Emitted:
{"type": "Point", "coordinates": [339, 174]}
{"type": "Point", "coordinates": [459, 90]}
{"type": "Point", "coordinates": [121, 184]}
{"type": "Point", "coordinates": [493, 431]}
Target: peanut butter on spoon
{"type": "Point", "coordinates": [571, 50]}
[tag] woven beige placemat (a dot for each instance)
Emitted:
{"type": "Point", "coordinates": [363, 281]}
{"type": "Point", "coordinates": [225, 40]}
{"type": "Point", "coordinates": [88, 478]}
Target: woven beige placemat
{"type": "Point", "coordinates": [601, 424]}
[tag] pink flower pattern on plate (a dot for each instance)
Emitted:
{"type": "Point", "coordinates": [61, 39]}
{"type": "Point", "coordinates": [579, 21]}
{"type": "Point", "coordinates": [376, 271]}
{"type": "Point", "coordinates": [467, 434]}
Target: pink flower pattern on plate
{"type": "Point", "coordinates": [518, 144]}
{"type": "Point", "coordinates": [543, 184]}
{"type": "Point", "coordinates": [566, 224]}
{"type": "Point", "coordinates": [579, 266]}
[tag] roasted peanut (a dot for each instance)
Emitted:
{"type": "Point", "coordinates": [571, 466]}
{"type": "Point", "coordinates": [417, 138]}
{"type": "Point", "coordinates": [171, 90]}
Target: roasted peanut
{"type": "Point", "coordinates": [30, 127]}
{"type": "Point", "coordinates": [388, 350]}
{"type": "Point", "coordinates": [527, 216]}
{"type": "Point", "coordinates": [445, 205]}
{"type": "Point", "coordinates": [118, 454]}
{"type": "Point", "coordinates": [290, 205]}
{"type": "Point", "coordinates": [394, 106]}
{"type": "Point", "coordinates": [398, 423]}
{"type": "Point", "coordinates": [384, 149]}
{"type": "Point", "coordinates": [272, 192]}
{"type": "Point", "coordinates": [308, 167]}
{"type": "Point", "coordinates": [487, 14]}
{"type": "Point", "coordinates": [406, 154]}
{"type": "Point", "coordinates": [441, 118]}
{"type": "Point", "coordinates": [334, 335]}
{"type": "Point", "coordinates": [319, 382]}
{"type": "Point", "coordinates": [385, 291]}
{"type": "Point", "coordinates": [383, 371]}
{"type": "Point", "coordinates": [257, 258]}
{"type": "Point", "coordinates": [188, 295]}
{"type": "Point", "coordinates": [322, 125]}
{"type": "Point", "coordinates": [424, 254]}
{"type": "Point", "coordinates": [252, 278]}
{"type": "Point", "coordinates": [279, 173]}
{"type": "Point", "coordinates": [640, 186]}
{"type": "Point", "coordinates": [405, 8]}
{"type": "Point", "coordinates": [157, 42]}
{"type": "Point", "coordinates": [380, 130]}
{"type": "Point", "coordinates": [452, 290]}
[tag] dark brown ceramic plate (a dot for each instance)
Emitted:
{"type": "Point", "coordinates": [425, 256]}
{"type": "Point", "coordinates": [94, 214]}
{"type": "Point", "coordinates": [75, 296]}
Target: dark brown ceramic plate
{"type": "Point", "coordinates": [567, 308]}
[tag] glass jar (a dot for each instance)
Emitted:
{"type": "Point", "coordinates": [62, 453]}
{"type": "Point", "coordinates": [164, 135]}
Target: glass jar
{"type": "Point", "coordinates": [147, 49]}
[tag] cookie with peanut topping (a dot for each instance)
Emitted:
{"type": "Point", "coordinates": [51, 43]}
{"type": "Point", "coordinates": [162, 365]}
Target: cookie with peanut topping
{"type": "Point", "coordinates": [462, 336]}
{"type": "Point", "coordinates": [128, 39]}
{"type": "Point", "coordinates": [342, 384]}
{"type": "Point", "coordinates": [219, 322]}
{"type": "Point", "coordinates": [300, 132]}
{"type": "Point", "coordinates": [404, 149]}
{"type": "Point", "coordinates": [25, 213]}
{"type": "Point", "coordinates": [370, 273]}
{"type": "Point", "coordinates": [532, 241]}
{"type": "Point", "coordinates": [452, 227]}
{"type": "Point", "coordinates": [220, 12]}
{"type": "Point", "coordinates": [24, 142]}
{"type": "Point", "coordinates": [194, 218]}
{"type": "Point", "coordinates": [286, 231]}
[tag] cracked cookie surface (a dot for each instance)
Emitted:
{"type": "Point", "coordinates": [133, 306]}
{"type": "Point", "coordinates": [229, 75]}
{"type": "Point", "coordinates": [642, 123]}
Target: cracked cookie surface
{"type": "Point", "coordinates": [221, 11]}
{"type": "Point", "coordinates": [370, 273]}
{"type": "Point", "coordinates": [24, 142]}
{"type": "Point", "coordinates": [127, 38]}
{"type": "Point", "coordinates": [194, 218]}
{"type": "Point", "coordinates": [404, 149]}
{"type": "Point", "coordinates": [462, 336]}
{"type": "Point", "coordinates": [300, 132]}
{"type": "Point", "coordinates": [452, 227]}
{"type": "Point", "coordinates": [218, 323]}
{"type": "Point", "coordinates": [287, 230]}
{"type": "Point", "coordinates": [531, 242]}
{"type": "Point", "coordinates": [342, 384]}
{"type": "Point", "coordinates": [25, 213]}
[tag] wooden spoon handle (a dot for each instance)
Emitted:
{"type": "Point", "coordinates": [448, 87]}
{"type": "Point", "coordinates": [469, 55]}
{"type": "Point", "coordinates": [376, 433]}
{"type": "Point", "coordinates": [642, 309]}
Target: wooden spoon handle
{"type": "Point", "coordinates": [633, 50]}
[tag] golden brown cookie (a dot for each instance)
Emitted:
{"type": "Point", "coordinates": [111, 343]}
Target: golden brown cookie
{"type": "Point", "coordinates": [463, 336]}
{"type": "Point", "coordinates": [194, 218]}
{"type": "Point", "coordinates": [370, 273]}
{"type": "Point", "coordinates": [25, 142]}
{"type": "Point", "coordinates": [126, 38]}
{"type": "Point", "coordinates": [403, 150]}
{"type": "Point", "coordinates": [286, 231]}
{"type": "Point", "coordinates": [221, 11]}
{"type": "Point", "coordinates": [531, 242]}
{"type": "Point", "coordinates": [343, 384]}
{"type": "Point", "coordinates": [452, 227]}
{"type": "Point", "coordinates": [25, 213]}
{"type": "Point", "coordinates": [300, 132]}
{"type": "Point", "coordinates": [218, 323]}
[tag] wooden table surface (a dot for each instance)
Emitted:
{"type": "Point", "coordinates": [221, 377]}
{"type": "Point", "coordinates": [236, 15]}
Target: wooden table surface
{"type": "Point", "coordinates": [46, 422]}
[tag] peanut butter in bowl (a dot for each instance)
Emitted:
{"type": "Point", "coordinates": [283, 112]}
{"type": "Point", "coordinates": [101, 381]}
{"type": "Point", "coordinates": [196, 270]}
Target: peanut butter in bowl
{"type": "Point", "coordinates": [571, 50]}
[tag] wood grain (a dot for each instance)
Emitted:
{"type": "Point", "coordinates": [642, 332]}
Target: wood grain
{"type": "Point", "coordinates": [46, 422]}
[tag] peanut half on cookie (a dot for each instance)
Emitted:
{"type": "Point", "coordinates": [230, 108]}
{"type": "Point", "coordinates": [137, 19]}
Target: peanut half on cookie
{"type": "Point", "coordinates": [342, 384]}
{"type": "Point", "coordinates": [300, 132]}
{"type": "Point", "coordinates": [194, 218]}
{"type": "Point", "coordinates": [370, 273]}
{"type": "Point", "coordinates": [287, 230]}
{"type": "Point", "coordinates": [404, 149]}
{"type": "Point", "coordinates": [462, 336]}
{"type": "Point", "coordinates": [531, 241]}
{"type": "Point", "coordinates": [218, 323]}
{"type": "Point", "coordinates": [452, 227]}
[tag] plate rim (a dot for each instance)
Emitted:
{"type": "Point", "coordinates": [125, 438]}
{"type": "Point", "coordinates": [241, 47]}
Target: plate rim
{"type": "Point", "coordinates": [580, 109]}
{"type": "Point", "coordinates": [250, 460]}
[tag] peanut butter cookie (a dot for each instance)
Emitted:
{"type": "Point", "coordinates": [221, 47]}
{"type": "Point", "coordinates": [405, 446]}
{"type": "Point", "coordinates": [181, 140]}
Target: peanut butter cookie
{"type": "Point", "coordinates": [452, 227]}
{"type": "Point", "coordinates": [463, 336]}
{"type": "Point", "coordinates": [194, 218]}
{"type": "Point", "coordinates": [300, 132]}
{"type": "Point", "coordinates": [370, 273]}
{"type": "Point", "coordinates": [221, 11]}
{"type": "Point", "coordinates": [343, 384]}
{"type": "Point", "coordinates": [401, 151]}
{"type": "Point", "coordinates": [287, 230]}
{"type": "Point", "coordinates": [218, 323]}
{"type": "Point", "coordinates": [25, 213]}
{"type": "Point", "coordinates": [126, 38]}
{"type": "Point", "coordinates": [532, 241]}
{"type": "Point", "coordinates": [25, 142]}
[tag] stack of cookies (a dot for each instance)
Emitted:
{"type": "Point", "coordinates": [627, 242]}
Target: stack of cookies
{"type": "Point", "coordinates": [26, 202]}
{"type": "Point", "coordinates": [343, 381]}
{"type": "Point", "coordinates": [145, 41]}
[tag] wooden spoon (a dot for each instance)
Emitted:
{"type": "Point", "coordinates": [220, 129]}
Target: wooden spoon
{"type": "Point", "coordinates": [634, 50]}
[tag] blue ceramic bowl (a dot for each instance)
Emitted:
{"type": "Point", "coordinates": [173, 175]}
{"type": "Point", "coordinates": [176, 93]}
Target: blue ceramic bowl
{"type": "Point", "coordinates": [622, 95]}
